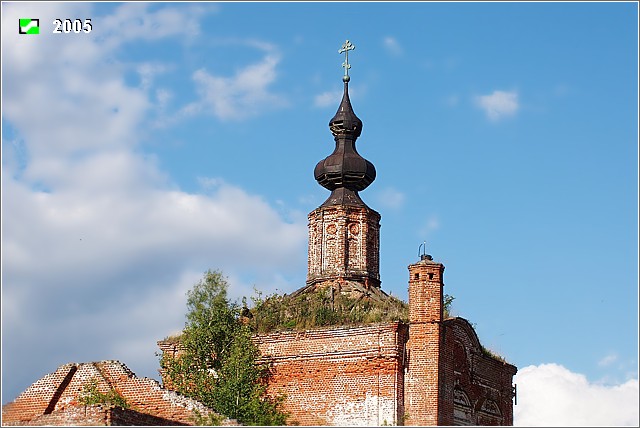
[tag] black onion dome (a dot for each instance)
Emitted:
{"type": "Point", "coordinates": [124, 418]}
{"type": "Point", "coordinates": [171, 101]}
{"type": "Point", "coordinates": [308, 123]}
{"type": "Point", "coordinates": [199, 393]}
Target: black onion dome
{"type": "Point", "coordinates": [345, 120]}
{"type": "Point", "coordinates": [345, 168]}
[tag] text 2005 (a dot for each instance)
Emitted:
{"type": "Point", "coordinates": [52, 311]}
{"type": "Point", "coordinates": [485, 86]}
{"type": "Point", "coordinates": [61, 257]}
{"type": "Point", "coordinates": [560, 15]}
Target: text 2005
{"type": "Point", "coordinates": [72, 26]}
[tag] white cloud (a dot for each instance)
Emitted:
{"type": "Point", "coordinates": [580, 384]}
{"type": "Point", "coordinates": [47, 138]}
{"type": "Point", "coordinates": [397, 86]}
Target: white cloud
{"type": "Point", "coordinates": [99, 245]}
{"type": "Point", "coordinates": [499, 104]}
{"type": "Point", "coordinates": [148, 71]}
{"type": "Point", "coordinates": [163, 96]}
{"type": "Point", "coordinates": [134, 21]}
{"type": "Point", "coordinates": [390, 197]}
{"type": "Point", "coordinates": [80, 103]}
{"type": "Point", "coordinates": [328, 98]}
{"type": "Point", "coordinates": [551, 395]}
{"type": "Point", "coordinates": [333, 98]}
{"type": "Point", "coordinates": [245, 94]}
{"type": "Point", "coordinates": [608, 360]}
{"type": "Point", "coordinates": [392, 46]}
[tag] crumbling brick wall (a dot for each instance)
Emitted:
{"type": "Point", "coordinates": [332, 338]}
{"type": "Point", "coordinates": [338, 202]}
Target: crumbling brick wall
{"type": "Point", "coordinates": [95, 415]}
{"type": "Point", "coordinates": [450, 378]}
{"type": "Point", "coordinates": [58, 395]}
{"type": "Point", "coordinates": [75, 415]}
{"type": "Point", "coordinates": [477, 385]}
{"type": "Point", "coordinates": [431, 371]}
{"type": "Point", "coordinates": [340, 375]}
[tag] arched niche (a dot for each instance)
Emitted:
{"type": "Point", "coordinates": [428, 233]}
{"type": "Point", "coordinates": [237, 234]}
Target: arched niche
{"type": "Point", "coordinates": [462, 408]}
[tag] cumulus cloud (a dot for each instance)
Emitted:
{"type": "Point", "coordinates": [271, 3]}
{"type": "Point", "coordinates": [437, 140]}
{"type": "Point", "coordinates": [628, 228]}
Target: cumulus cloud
{"type": "Point", "coordinates": [134, 21]}
{"type": "Point", "coordinates": [240, 96]}
{"type": "Point", "coordinates": [551, 395]}
{"type": "Point", "coordinates": [99, 246]}
{"type": "Point", "coordinates": [499, 104]}
{"type": "Point", "coordinates": [392, 46]}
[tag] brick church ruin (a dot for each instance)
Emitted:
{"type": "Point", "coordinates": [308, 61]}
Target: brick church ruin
{"type": "Point", "coordinates": [427, 369]}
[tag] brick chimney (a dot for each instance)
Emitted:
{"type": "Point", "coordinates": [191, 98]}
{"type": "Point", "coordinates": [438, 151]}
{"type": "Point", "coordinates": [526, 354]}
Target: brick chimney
{"type": "Point", "coordinates": [422, 380]}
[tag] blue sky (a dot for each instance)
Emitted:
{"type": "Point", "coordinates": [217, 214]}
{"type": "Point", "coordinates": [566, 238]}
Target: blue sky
{"type": "Point", "coordinates": [178, 137]}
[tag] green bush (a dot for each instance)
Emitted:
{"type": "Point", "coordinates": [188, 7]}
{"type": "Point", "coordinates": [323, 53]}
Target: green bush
{"type": "Point", "coordinates": [91, 395]}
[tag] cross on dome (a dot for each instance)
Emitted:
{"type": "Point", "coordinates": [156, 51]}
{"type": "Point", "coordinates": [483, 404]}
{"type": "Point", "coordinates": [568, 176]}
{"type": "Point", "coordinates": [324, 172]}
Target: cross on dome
{"type": "Point", "coordinates": [346, 47]}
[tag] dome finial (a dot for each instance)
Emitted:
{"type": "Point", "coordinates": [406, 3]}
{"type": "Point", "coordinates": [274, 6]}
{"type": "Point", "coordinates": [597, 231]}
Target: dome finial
{"type": "Point", "coordinates": [345, 172]}
{"type": "Point", "coordinates": [346, 47]}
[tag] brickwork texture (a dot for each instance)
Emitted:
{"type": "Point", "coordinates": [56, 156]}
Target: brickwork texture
{"type": "Point", "coordinates": [344, 244]}
{"type": "Point", "coordinates": [429, 371]}
{"type": "Point", "coordinates": [340, 376]}
{"type": "Point", "coordinates": [55, 399]}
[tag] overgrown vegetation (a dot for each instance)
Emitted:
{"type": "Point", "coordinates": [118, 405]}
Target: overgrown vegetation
{"type": "Point", "coordinates": [489, 353]}
{"type": "Point", "coordinates": [218, 365]}
{"type": "Point", "coordinates": [321, 309]}
{"type": "Point", "coordinates": [91, 395]}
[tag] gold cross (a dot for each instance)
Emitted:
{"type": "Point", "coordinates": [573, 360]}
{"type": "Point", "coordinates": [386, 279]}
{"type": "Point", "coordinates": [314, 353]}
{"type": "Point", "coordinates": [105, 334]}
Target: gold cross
{"type": "Point", "coordinates": [346, 47]}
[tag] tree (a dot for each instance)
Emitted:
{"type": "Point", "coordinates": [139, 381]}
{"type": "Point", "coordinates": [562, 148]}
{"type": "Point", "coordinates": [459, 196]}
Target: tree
{"type": "Point", "coordinates": [218, 364]}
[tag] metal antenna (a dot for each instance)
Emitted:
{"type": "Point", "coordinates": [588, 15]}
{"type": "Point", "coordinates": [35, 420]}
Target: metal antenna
{"type": "Point", "coordinates": [422, 252]}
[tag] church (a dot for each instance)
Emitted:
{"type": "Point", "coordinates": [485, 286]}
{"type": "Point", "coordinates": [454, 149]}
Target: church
{"type": "Point", "coordinates": [425, 369]}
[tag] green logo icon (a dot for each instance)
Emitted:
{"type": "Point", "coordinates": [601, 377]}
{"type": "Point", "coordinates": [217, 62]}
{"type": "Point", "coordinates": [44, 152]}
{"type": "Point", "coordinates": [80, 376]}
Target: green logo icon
{"type": "Point", "coordinates": [29, 26]}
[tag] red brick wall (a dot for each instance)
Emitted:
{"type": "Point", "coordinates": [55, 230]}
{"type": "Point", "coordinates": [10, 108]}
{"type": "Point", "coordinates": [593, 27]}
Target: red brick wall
{"type": "Point", "coordinates": [79, 415]}
{"type": "Point", "coordinates": [429, 372]}
{"type": "Point", "coordinates": [36, 399]}
{"type": "Point", "coordinates": [147, 396]}
{"type": "Point", "coordinates": [339, 376]}
{"type": "Point", "coordinates": [485, 380]}
{"type": "Point", "coordinates": [390, 372]}
{"type": "Point", "coordinates": [445, 359]}
{"type": "Point", "coordinates": [169, 349]}
{"type": "Point", "coordinates": [95, 415]}
{"type": "Point", "coordinates": [58, 395]}
{"type": "Point", "coordinates": [344, 243]}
